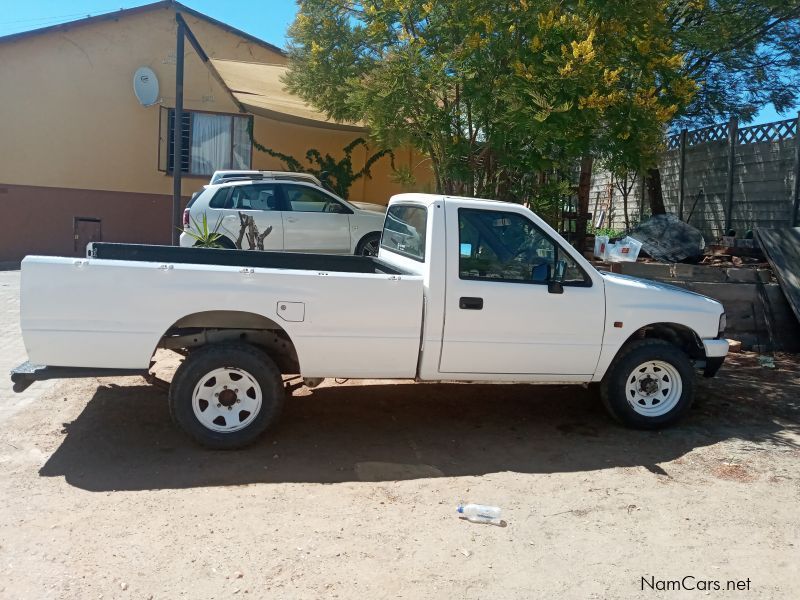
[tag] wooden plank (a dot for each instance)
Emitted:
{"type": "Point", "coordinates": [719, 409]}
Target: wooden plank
{"type": "Point", "coordinates": [782, 249]}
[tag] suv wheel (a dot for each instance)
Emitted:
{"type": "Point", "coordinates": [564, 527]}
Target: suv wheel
{"type": "Point", "coordinates": [369, 245]}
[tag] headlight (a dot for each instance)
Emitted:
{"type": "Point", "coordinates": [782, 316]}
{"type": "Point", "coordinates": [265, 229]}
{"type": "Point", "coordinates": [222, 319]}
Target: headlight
{"type": "Point", "coordinates": [723, 323]}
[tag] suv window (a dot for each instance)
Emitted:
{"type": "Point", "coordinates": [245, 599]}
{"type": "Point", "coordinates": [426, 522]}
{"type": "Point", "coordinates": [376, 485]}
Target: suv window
{"type": "Point", "coordinates": [505, 246]}
{"type": "Point", "coordinates": [260, 196]}
{"type": "Point", "coordinates": [307, 199]}
{"type": "Point", "coordinates": [404, 231]}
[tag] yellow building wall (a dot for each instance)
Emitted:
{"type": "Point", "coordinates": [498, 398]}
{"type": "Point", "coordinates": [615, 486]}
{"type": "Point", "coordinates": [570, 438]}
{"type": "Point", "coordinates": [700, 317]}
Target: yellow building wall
{"type": "Point", "coordinates": [69, 117]}
{"type": "Point", "coordinates": [295, 140]}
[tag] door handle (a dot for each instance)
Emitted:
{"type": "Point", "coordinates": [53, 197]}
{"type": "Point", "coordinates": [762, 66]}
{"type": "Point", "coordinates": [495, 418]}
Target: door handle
{"type": "Point", "coordinates": [291, 219]}
{"type": "Point", "coordinates": [470, 303]}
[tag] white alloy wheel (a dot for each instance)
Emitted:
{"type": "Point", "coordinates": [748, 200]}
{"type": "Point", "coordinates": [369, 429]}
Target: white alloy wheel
{"type": "Point", "coordinates": [226, 399]}
{"type": "Point", "coordinates": [653, 388]}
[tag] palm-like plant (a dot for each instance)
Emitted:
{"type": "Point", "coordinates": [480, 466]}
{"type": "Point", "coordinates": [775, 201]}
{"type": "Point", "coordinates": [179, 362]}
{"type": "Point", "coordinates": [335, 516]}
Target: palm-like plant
{"type": "Point", "coordinates": [203, 236]}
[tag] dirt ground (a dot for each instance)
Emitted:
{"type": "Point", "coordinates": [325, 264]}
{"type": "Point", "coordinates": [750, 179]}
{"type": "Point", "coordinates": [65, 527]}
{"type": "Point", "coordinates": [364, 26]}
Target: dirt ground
{"type": "Point", "coordinates": [353, 495]}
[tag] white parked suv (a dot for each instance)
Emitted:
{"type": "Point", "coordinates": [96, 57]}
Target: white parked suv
{"type": "Point", "coordinates": [304, 216]}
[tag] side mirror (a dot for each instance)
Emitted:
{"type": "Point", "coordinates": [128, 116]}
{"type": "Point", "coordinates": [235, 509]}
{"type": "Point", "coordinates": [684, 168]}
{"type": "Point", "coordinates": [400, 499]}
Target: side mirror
{"type": "Point", "coordinates": [556, 283]}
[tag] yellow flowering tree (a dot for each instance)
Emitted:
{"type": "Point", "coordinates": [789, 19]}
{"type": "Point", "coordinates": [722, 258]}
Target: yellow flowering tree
{"type": "Point", "coordinates": [496, 92]}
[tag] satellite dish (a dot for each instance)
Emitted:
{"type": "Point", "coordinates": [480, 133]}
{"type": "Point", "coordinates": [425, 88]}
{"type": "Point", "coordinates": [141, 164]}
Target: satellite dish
{"type": "Point", "coordinates": [145, 86]}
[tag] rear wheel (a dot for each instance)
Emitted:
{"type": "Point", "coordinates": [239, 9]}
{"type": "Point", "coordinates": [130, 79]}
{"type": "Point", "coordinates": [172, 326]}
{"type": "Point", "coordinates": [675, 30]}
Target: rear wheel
{"type": "Point", "coordinates": [369, 245]}
{"type": "Point", "coordinates": [649, 385]}
{"type": "Point", "coordinates": [225, 395]}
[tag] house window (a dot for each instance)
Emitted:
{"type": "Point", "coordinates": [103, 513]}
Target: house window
{"type": "Point", "coordinates": [211, 141]}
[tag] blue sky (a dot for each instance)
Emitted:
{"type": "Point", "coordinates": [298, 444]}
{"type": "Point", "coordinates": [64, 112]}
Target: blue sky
{"type": "Point", "coordinates": [266, 19]}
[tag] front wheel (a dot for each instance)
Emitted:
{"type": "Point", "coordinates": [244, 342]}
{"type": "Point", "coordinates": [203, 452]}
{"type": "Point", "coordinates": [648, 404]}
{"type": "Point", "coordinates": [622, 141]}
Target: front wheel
{"type": "Point", "coordinates": [225, 395]}
{"type": "Point", "coordinates": [649, 385]}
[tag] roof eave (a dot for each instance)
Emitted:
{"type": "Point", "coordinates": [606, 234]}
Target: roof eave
{"type": "Point", "coordinates": [123, 12]}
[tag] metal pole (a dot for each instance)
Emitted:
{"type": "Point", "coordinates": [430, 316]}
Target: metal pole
{"type": "Point", "coordinates": [796, 193]}
{"type": "Point", "coordinates": [177, 134]}
{"type": "Point", "coordinates": [733, 126]}
{"type": "Point", "coordinates": [682, 173]}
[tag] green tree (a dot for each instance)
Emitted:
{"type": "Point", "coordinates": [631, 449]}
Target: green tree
{"type": "Point", "coordinates": [741, 54]}
{"type": "Point", "coordinates": [492, 91]}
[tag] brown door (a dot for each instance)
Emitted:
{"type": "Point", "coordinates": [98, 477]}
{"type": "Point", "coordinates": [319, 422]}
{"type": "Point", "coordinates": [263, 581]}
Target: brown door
{"type": "Point", "coordinates": [86, 230]}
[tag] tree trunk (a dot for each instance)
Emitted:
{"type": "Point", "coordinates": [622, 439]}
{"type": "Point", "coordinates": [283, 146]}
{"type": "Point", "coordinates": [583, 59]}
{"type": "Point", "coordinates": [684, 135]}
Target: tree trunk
{"type": "Point", "coordinates": [625, 210]}
{"type": "Point", "coordinates": [625, 192]}
{"type": "Point", "coordinates": [654, 194]}
{"type": "Point", "coordinates": [584, 187]}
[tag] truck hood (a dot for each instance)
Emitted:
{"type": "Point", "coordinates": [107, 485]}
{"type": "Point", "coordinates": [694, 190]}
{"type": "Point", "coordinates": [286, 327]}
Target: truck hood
{"type": "Point", "coordinates": [638, 282]}
{"type": "Point", "coordinates": [661, 302]}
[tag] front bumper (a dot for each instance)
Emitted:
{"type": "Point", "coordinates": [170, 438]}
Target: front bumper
{"type": "Point", "coordinates": [716, 350]}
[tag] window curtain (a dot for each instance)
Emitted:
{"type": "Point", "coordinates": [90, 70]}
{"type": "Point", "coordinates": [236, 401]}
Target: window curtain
{"type": "Point", "coordinates": [211, 143]}
{"type": "Point", "coordinates": [241, 143]}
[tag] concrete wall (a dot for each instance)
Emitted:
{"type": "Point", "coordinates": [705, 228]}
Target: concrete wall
{"type": "Point", "coordinates": [762, 185]}
{"type": "Point", "coordinates": [762, 190]}
{"type": "Point", "coordinates": [604, 188]}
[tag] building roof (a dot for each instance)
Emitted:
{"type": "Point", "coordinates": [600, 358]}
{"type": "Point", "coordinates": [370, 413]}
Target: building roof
{"type": "Point", "coordinates": [123, 12]}
{"type": "Point", "coordinates": [258, 89]}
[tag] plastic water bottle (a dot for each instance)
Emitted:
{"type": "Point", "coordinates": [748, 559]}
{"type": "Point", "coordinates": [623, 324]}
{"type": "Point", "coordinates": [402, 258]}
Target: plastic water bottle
{"type": "Point", "coordinates": [478, 513]}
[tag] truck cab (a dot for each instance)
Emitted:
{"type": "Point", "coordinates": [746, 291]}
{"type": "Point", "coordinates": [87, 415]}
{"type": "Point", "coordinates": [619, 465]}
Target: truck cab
{"type": "Point", "coordinates": [508, 299]}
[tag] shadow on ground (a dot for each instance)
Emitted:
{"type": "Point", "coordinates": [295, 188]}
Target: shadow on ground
{"type": "Point", "coordinates": [124, 440]}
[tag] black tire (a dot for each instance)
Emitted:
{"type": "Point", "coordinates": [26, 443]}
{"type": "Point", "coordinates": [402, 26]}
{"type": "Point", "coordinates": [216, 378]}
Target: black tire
{"type": "Point", "coordinates": [369, 244]}
{"type": "Point", "coordinates": [224, 242]}
{"type": "Point", "coordinates": [204, 360]}
{"type": "Point", "coordinates": [615, 393]}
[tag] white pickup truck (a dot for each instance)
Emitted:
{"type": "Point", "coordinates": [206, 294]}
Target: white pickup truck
{"type": "Point", "coordinates": [462, 290]}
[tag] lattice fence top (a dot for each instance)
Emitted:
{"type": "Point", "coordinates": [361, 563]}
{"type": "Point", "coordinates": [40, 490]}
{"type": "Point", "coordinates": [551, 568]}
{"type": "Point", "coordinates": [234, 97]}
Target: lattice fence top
{"type": "Point", "coordinates": [713, 133]}
{"type": "Point", "coordinates": [766, 132]}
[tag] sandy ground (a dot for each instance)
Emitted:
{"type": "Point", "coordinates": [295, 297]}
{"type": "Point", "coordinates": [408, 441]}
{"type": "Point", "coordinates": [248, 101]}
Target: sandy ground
{"type": "Point", "coordinates": [353, 495]}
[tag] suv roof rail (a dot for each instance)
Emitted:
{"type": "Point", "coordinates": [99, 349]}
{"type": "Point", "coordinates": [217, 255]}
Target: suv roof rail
{"type": "Point", "coordinates": [226, 176]}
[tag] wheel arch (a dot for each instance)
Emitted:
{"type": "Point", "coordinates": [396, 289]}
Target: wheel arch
{"type": "Point", "coordinates": [364, 238]}
{"type": "Point", "coordinates": [217, 326]}
{"type": "Point", "coordinates": [227, 242]}
{"type": "Point", "coordinates": [679, 335]}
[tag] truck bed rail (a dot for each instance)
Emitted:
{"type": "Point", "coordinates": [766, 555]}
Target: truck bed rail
{"type": "Point", "coordinates": [241, 258]}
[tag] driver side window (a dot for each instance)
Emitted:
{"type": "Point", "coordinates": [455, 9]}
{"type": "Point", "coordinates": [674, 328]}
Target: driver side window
{"type": "Point", "coordinates": [307, 199]}
{"type": "Point", "coordinates": [505, 246]}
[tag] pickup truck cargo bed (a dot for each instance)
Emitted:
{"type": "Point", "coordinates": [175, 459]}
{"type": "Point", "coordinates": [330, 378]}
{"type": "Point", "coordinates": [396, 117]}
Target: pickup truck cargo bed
{"type": "Point", "coordinates": [242, 258]}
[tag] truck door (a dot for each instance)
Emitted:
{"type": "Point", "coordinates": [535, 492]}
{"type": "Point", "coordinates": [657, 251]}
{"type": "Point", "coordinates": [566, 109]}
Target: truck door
{"type": "Point", "coordinates": [501, 318]}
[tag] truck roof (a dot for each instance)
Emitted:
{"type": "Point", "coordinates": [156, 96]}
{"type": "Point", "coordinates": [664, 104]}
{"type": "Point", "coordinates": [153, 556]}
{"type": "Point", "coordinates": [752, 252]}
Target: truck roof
{"type": "Point", "coordinates": [428, 199]}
